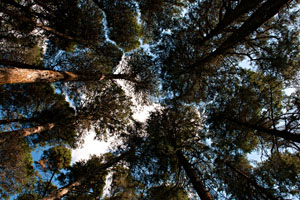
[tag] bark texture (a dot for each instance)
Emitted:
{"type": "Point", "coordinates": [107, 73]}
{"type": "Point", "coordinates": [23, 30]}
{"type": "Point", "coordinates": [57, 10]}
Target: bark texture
{"type": "Point", "coordinates": [25, 132]}
{"type": "Point", "coordinates": [22, 75]}
{"type": "Point", "coordinates": [30, 74]}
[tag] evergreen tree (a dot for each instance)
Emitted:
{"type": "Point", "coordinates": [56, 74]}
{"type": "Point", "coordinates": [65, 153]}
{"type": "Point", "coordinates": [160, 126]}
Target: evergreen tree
{"type": "Point", "coordinates": [184, 53]}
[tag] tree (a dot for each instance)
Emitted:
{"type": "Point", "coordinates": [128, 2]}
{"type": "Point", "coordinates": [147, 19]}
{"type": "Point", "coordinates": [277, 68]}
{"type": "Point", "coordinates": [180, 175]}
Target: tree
{"type": "Point", "coordinates": [119, 14]}
{"type": "Point", "coordinates": [107, 112]}
{"type": "Point", "coordinates": [171, 138]}
{"type": "Point", "coordinates": [57, 20]}
{"type": "Point", "coordinates": [186, 67]}
{"type": "Point", "coordinates": [37, 117]}
{"type": "Point", "coordinates": [189, 56]}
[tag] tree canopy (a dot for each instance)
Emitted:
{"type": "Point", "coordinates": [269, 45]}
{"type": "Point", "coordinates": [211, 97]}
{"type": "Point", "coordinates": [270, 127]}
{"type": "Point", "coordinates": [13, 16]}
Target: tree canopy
{"type": "Point", "coordinates": [223, 76]}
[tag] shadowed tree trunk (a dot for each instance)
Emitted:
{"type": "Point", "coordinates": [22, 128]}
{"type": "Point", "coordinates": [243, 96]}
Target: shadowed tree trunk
{"type": "Point", "coordinates": [68, 188]}
{"type": "Point", "coordinates": [229, 17]}
{"type": "Point", "coordinates": [196, 182]}
{"type": "Point", "coordinates": [278, 133]}
{"type": "Point", "coordinates": [258, 18]}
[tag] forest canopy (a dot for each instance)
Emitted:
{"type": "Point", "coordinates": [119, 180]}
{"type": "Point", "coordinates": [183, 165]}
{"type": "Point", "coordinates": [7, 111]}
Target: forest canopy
{"type": "Point", "coordinates": [223, 76]}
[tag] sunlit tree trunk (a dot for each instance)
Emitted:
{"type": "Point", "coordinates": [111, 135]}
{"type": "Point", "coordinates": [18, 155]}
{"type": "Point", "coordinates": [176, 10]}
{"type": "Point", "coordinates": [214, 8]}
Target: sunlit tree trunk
{"type": "Point", "coordinates": [195, 180]}
{"type": "Point", "coordinates": [25, 132]}
{"type": "Point", "coordinates": [21, 75]}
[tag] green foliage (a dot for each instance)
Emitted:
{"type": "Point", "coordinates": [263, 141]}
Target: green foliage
{"type": "Point", "coordinates": [56, 158]}
{"type": "Point", "coordinates": [164, 192]}
{"type": "Point", "coordinates": [190, 63]}
{"type": "Point", "coordinates": [123, 185]}
{"type": "Point", "coordinates": [120, 14]}
{"type": "Point", "coordinates": [93, 180]}
{"type": "Point", "coordinates": [17, 172]}
{"type": "Point", "coordinates": [281, 171]}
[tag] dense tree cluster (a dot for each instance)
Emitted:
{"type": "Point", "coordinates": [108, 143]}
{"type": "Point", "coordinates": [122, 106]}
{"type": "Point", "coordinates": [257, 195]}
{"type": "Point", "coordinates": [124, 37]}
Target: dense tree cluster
{"type": "Point", "coordinates": [225, 74]}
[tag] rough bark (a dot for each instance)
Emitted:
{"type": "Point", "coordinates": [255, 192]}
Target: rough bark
{"type": "Point", "coordinates": [25, 75]}
{"type": "Point", "coordinates": [195, 180]}
{"type": "Point", "coordinates": [58, 194]}
{"type": "Point", "coordinates": [25, 132]}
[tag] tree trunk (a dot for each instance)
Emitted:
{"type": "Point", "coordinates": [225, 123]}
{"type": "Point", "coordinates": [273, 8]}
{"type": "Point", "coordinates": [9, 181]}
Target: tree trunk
{"type": "Point", "coordinates": [25, 75]}
{"type": "Point", "coordinates": [58, 194]}
{"type": "Point", "coordinates": [278, 133]}
{"type": "Point", "coordinates": [197, 183]}
{"type": "Point", "coordinates": [59, 34]}
{"type": "Point", "coordinates": [25, 132]}
{"type": "Point", "coordinates": [260, 16]}
{"type": "Point", "coordinates": [229, 17]}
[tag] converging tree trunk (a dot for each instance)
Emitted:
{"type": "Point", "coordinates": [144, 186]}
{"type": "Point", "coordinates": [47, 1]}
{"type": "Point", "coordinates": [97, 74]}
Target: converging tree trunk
{"type": "Point", "coordinates": [278, 133]}
{"type": "Point", "coordinates": [230, 16]}
{"type": "Point", "coordinates": [25, 132]}
{"type": "Point", "coordinates": [68, 188]}
{"type": "Point", "coordinates": [196, 181]}
{"type": "Point", "coordinates": [259, 17]}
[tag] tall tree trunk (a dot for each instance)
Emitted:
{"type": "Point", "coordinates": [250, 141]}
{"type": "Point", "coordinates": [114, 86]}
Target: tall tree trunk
{"type": "Point", "coordinates": [58, 194]}
{"type": "Point", "coordinates": [278, 133]}
{"type": "Point", "coordinates": [263, 190]}
{"type": "Point", "coordinates": [25, 132]}
{"type": "Point", "coordinates": [59, 34]}
{"type": "Point", "coordinates": [18, 120]}
{"type": "Point", "coordinates": [26, 75]}
{"type": "Point", "coordinates": [259, 17]}
{"type": "Point", "coordinates": [197, 183]}
{"type": "Point", "coordinates": [229, 17]}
